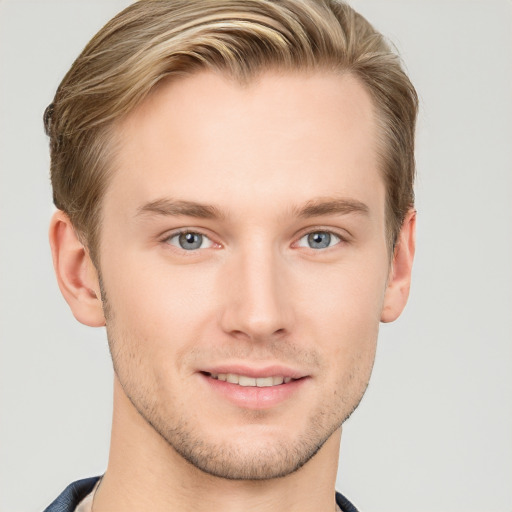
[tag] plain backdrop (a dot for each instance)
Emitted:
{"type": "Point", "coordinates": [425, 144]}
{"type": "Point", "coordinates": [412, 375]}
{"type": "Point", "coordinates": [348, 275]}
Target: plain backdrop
{"type": "Point", "coordinates": [434, 432]}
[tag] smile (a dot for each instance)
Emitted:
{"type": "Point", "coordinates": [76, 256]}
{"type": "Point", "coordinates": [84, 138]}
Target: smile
{"type": "Point", "coordinates": [254, 388]}
{"type": "Point", "coordinates": [244, 380]}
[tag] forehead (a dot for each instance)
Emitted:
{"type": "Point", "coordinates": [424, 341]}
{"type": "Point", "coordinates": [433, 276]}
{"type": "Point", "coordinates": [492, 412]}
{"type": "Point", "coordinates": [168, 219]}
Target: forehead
{"type": "Point", "coordinates": [282, 138]}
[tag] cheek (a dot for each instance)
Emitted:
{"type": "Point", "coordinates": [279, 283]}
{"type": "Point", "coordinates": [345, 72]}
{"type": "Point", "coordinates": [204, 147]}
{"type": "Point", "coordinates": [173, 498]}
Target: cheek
{"type": "Point", "coordinates": [347, 299]}
{"type": "Point", "coordinates": [157, 305]}
{"type": "Point", "coordinates": [350, 343]}
{"type": "Point", "coordinates": [341, 312]}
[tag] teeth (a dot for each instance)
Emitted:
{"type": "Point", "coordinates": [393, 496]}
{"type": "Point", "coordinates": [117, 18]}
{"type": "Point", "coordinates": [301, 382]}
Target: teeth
{"type": "Point", "coordinates": [246, 381]}
{"type": "Point", "coordinates": [265, 382]}
{"type": "Point", "coordinates": [243, 380]}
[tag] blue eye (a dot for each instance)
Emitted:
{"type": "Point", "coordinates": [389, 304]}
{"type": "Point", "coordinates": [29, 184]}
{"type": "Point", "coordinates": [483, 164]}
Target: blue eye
{"type": "Point", "coordinates": [190, 241]}
{"type": "Point", "coordinates": [319, 240]}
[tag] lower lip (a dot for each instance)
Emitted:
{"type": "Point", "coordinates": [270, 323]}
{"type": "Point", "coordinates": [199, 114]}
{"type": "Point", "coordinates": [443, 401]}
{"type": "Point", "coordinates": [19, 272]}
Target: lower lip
{"type": "Point", "coordinates": [252, 397]}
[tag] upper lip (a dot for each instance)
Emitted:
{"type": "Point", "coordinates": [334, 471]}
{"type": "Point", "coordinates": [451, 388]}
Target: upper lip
{"type": "Point", "coordinates": [260, 372]}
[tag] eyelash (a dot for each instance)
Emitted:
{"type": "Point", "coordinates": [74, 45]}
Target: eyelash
{"type": "Point", "coordinates": [340, 239]}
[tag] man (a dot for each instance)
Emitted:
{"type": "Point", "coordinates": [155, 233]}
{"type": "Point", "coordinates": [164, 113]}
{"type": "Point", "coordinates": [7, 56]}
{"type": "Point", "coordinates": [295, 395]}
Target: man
{"type": "Point", "coordinates": [234, 182]}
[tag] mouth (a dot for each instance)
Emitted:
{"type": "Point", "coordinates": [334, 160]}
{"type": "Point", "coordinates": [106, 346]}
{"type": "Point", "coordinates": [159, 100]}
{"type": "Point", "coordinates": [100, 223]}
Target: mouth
{"type": "Point", "coordinates": [247, 381]}
{"type": "Point", "coordinates": [250, 388]}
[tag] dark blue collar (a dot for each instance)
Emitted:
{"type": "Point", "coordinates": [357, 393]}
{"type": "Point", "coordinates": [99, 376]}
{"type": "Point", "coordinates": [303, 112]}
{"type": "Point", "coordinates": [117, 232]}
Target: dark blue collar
{"type": "Point", "coordinates": [74, 493]}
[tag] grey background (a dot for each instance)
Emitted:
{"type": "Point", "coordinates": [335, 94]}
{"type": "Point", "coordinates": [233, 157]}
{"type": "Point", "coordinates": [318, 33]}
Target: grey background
{"type": "Point", "coordinates": [434, 432]}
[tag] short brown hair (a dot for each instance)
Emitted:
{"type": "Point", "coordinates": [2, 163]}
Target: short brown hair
{"type": "Point", "coordinates": [152, 40]}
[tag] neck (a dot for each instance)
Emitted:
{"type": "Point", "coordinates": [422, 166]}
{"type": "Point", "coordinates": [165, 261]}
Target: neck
{"type": "Point", "coordinates": [145, 473]}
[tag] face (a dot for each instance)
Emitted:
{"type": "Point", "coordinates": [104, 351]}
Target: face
{"type": "Point", "coordinates": [244, 263]}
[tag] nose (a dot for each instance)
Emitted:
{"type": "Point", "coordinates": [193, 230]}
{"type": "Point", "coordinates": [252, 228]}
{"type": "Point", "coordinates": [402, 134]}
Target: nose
{"type": "Point", "coordinates": [258, 299]}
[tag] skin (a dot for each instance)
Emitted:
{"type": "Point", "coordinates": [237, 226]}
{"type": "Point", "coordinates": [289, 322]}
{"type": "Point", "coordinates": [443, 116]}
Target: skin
{"type": "Point", "coordinates": [256, 294]}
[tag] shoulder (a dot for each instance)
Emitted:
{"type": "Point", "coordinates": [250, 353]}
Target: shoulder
{"type": "Point", "coordinates": [72, 495]}
{"type": "Point", "coordinates": [344, 504]}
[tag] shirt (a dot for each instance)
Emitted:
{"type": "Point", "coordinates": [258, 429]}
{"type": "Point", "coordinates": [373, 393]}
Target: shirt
{"type": "Point", "coordinates": [77, 497]}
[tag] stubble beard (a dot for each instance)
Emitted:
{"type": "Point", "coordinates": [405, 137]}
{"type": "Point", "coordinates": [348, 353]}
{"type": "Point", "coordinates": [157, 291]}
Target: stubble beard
{"type": "Point", "coordinates": [234, 459]}
{"type": "Point", "coordinates": [228, 459]}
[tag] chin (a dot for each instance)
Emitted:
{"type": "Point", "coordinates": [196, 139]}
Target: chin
{"type": "Point", "coordinates": [250, 454]}
{"type": "Point", "coordinates": [261, 461]}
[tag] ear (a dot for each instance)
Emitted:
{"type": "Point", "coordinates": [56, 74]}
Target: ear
{"type": "Point", "coordinates": [76, 274]}
{"type": "Point", "coordinates": [399, 280]}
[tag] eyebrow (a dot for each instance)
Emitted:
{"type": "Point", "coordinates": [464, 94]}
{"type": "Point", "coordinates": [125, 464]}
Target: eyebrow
{"type": "Point", "coordinates": [331, 206]}
{"type": "Point", "coordinates": [313, 208]}
{"type": "Point", "coordinates": [169, 207]}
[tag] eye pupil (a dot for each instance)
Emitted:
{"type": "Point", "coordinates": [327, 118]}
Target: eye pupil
{"type": "Point", "coordinates": [190, 241]}
{"type": "Point", "coordinates": [319, 240]}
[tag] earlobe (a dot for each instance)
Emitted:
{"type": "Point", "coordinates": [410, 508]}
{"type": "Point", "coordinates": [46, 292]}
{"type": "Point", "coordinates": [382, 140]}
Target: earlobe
{"type": "Point", "coordinates": [76, 274]}
{"type": "Point", "coordinates": [399, 282]}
